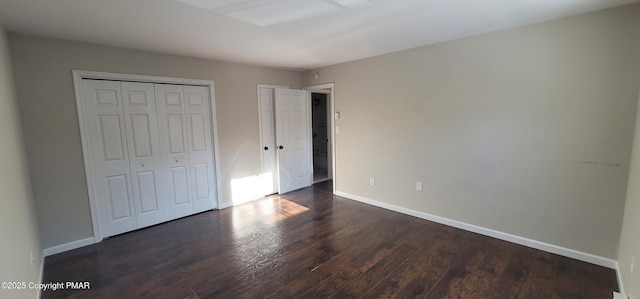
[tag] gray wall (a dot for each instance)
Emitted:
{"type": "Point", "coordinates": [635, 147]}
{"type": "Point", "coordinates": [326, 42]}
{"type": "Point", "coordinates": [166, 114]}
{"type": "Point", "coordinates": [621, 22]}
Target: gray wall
{"type": "Point", "coordinates": [47, 104]}
{"type": "Point", "coordinates": [526, 131]}
{"type": "Point", "coordinates": [18, 225]}
{"type": "Point", "coordinates": [630, 237]}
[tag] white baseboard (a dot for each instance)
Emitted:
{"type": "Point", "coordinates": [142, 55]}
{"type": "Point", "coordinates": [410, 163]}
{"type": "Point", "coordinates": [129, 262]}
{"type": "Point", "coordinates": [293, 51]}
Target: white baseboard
{"type": "Point", "coordinates": [41, 276]}
{"type": "Point", "coordinates": [578, 255]}
{"type": "Point", "coordinates": [225, 205]}
{"type": "Point", "coordinates": [620, 285]}
{"type": "Point", "coordinates": [67, 246]}
{"type": "Point", "coordinates": [617, 295]}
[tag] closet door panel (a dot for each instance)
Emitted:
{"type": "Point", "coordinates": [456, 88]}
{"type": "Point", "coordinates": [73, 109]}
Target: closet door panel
{"type": "Point", "coordinates": [144, 152]}
{"type": "Point", "coordinates": [198, 139]}
{"type": "Point", "coordinates": [176, 135]}
{"type": "Point", "coordinates": [201, 175]}
{"type": "Point", "coordinates": [173, 143]}
{"type": "Point", "coordinates": [180, 186]}
{"type": "Point", "coordinates": [118, 197]}
{"type": "Point", "coordinates": [146, 183]}
{"type": "Point", "coordinates": [108, 147]}
{"type": "Point", "coordinates": [140, 135]}
{"type": "Point", "coordinates": [200, 147]}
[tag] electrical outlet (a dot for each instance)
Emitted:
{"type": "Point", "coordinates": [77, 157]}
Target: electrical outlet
{"type": "Point", "coordinates": [418, 186]}
{"type": "Point", "coordinates": [633, 261]}
{"type": "Point", "coordinates": [372, 181]}
{"type": "Point", "coordinates": [32, 259]}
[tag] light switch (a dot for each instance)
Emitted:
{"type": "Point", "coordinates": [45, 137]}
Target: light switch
{"type": "Point", "coordinates": [418, 186]}
{"type": "Point", "coordinates": [338, 115]}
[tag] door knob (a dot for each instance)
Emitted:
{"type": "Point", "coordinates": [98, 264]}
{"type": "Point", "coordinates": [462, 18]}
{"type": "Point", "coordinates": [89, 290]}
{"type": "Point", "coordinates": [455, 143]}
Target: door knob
{"type": "Point", "coordinates": [281, 147]}
{"type": "Point", "coordinates": [177, 161]}
{"type": "Point", "coordinates": [142, 165]}
{"type": "Point", "coordinates": [266, 148]}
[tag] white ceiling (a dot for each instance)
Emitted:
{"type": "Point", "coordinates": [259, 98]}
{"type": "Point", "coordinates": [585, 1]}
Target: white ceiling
{"type": "Point", "coordinates": [295, 34]}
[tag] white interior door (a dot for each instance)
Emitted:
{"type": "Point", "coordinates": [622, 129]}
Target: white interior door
{"type": "Point", "coordinates": [200, 147]}
{"type": "Point", "coordinates": [109, 156]}
{"type": "Point", "coordinates": [268, 136]}
{"type": "Point", "coordinates": [173, 143]}
{"type": "Point", "coordinates": [293, 139]}
{"type": "Point", "coordinates": [145, 159]}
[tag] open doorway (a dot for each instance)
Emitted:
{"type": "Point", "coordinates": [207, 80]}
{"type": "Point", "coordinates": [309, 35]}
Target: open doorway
{"type": "Point", "coordinates": [320, 113]}
{"type": "Point", "coordinates": [322, 99]}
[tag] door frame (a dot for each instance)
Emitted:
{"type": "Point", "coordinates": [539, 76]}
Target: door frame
{"type": "Point", "coordinates": [329, 119]}
{"type": "Point", "coordinates": [79, 75]}
{"type": "Point", "coordinates": [274, 176]}
{"type": "Point", "coordinates": [322, 88]}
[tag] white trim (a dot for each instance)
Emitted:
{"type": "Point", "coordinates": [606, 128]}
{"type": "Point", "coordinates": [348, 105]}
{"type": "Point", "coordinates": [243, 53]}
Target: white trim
{"type": "Point", "coordinates": [79, 75]}
{"type": "Point", "coordinates": [139, 78]}
{"type": "Point", "coordinates": [322, 91]}
{"type": "Point", "coordinates": [620, 284]}
{"type": "Point", "coordinates": [571, 253]}
{"type": "Point", "coordinates": [310, 134]}
{"type": "Point", "coordinates": [332, 96]}
{"type": "Point", "coordinates": [86, 152]}
{"type": "Point", "coordinates": [214, 139]}
{"type": "Point", "coordinates": [41, 275]}
{"type": "Point", "coordinates": [67, 246]}
{"type": "Point", "coordinates": [226, 205]}
{"type": "Point", "coordinates": [617, 295]}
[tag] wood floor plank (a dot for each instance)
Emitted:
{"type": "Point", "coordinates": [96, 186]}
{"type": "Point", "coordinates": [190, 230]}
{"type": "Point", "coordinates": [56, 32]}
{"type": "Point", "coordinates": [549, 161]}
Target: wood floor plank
{"type": "Point", "coordinates": [311, 243]}
{"type": "Point", "coordinates": [320, 242]}
{"type": "Point", "coordinates": [370, 248]}
{"type": "Point", "coordinates": [361, 284]}
{"type": "Point", "coordinates": [435, 259]}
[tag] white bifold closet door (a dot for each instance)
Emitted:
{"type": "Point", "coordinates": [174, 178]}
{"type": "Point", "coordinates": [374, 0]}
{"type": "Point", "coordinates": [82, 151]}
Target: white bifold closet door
{"type": "Point", "coordinates": [145, 159]}
{"type": "Point", "coordinates": [185, 139]}
{"type": "Point", "coordinates": [125, 155]}
{"type": "Point", "coordinates": [151, 152]}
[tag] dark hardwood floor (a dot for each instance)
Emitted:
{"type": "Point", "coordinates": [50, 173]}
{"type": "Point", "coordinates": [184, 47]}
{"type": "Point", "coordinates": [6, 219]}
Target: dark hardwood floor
{"type": "Point", "coordinates": [309, 243]}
